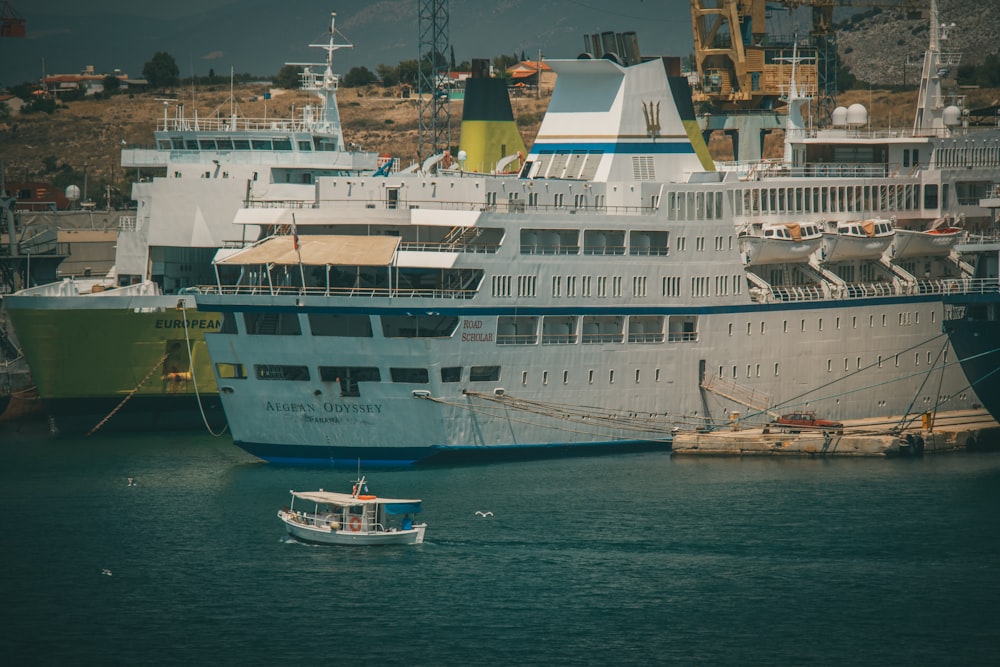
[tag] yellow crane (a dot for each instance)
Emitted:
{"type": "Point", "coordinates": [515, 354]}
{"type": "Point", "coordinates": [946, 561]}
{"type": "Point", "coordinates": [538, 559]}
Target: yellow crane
{"type": "Point", "coordinates": [740, 67]}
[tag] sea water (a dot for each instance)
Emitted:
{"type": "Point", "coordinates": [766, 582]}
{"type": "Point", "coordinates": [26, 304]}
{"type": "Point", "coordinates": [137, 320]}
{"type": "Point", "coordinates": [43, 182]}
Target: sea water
{"type": "Point", "coordinates": [634, 559]}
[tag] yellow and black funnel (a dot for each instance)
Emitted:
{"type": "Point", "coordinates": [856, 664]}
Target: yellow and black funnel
{"type": "Point", "coordinates": [488, 129]}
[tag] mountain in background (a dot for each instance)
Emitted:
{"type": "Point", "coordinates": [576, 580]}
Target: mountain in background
{"type": "Point", "coordinates": [886, 48]}
{"type": "Point", "coordinates": [259, 36]}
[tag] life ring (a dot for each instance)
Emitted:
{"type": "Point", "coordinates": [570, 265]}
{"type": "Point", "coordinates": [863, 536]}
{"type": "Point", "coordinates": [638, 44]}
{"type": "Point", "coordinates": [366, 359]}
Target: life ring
{"type": "Point", "coordinates": [367, 497]}
{"type": "Point", "coordinates": [354, 524]}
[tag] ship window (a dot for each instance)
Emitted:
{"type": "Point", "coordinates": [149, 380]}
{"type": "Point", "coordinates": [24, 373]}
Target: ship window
{"type": "Point", "coordinates": [227, 371]}
{"type": "Point", "coordinates": [283, 144]}
{"type": "Point", "coordinates": [228, 323]}
{"type": "Point", "coordinates": [451, 374]}
{"type": "Point", "coordinates": [565, 377]}
{"type": "Point", "coordinates": [419, 326]}
{"type": "Point", "coordinates": [281, 372]}
{"type": "Point", "coordinates": [352, 326]}
{"type": "Point", "coordinates": [524, 377]}
{"type": "Point", "coordinates": [207, 144]}
{"type": "Point", "coordinates": [225, 144]}
{"type": "Point", "coordinates": [325, 144]}
{"type": "Point", "coordinates": [484, 374]}
{"type": "Point", "coordinates": [261, 144]}
{"type": "Point", "coordinates": [348, 377]}
{"type": "Point", "coordinates": [272, 324]}
{"type": "Point", "coordinates": [409, 375]}
{"type": "Point", "coordinates": [241, 144]}
{"type": "Point", "coordinates": [305, 146]}
{"type": "Point", "coordinates": [931, 196]}
{"type": "Point", "coordinates": [191, 144]}
{"type": "Point", "coordinates": [590, 377]}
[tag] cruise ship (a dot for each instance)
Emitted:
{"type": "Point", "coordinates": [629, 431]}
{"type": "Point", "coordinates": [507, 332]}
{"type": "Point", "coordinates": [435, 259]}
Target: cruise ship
{"type": "Point", "coordinates": [620, 287]}
{"type": "Point", "coordinates": [972, 313]}
{"type": "Point", "coordinates": [127, 351]}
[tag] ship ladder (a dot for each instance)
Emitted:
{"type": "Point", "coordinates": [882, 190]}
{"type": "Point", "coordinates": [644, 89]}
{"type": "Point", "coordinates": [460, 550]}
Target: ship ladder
{"type": "Point", "coordinates": [129, 395]}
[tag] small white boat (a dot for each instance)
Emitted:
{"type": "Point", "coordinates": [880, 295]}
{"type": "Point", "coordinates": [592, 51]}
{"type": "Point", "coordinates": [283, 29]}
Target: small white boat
{"type": "Point", "coordinates": [939, 240]}
{"type": "Point", "coordinates": [779, 243]}
{"type": "Point", "coordinates": [857, 239]}
{"type": "Point", "coordinates": [356, 518]}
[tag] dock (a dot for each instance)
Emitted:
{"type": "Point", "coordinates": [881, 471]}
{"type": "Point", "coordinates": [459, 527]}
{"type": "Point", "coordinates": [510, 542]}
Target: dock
{"type": "Point", "coordinates": [960, 430]}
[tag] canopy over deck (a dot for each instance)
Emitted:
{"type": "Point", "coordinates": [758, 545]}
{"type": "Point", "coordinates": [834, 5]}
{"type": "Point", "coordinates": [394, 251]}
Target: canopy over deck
{"type": "Point", "coordinates": [392, 505]}
{"type": "Point", "coordinates": [319, 250]}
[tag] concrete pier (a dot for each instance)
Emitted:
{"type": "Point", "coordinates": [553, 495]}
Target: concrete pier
{"type": "Point", "coordinates": [948, 432]}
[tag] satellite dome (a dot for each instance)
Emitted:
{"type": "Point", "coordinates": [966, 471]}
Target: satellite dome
{"type": "Point", "coordinates": [839, 117]}
{"type": "Point", "coordinates": [857, 115]}
{"type": "Point", "coordinates": [952, 115]}
{"type": "Point", "coordinates": [72, 192]}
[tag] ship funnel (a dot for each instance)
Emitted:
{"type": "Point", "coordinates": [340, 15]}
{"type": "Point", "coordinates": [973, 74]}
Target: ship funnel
{"type": "Point", "coordinates": [489, 133]}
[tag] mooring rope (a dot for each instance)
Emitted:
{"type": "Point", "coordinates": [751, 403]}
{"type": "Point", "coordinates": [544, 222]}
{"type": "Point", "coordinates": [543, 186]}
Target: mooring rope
{"type": "Point", "coordinates": [194, 378]}
{"type": "Point", "coordinates": [129, 395]}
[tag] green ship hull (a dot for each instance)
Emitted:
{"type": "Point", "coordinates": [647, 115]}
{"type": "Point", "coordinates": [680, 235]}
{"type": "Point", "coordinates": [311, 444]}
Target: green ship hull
{"type": "Point", "coordinates": [119, 363]}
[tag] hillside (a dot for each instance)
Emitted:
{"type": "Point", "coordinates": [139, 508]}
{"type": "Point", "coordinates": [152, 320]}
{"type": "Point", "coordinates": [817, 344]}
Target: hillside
{"type": "Point", "coordinates": [886, 48]}
{"type": "Point", "coordinates": [90, 132]}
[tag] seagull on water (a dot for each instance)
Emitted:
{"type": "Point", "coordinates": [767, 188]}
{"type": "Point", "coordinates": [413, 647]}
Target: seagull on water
{"type": "Point", "coordinates": [106, 571]}
{"type": "Point", "coordinates": [131, 481]}
{"type": "Point", "coordinates": [483, 514]}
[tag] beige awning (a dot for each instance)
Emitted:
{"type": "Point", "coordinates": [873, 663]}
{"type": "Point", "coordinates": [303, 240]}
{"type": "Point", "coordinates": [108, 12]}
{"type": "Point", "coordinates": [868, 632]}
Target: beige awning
{"type": "Point", "coordinates": [319, 251]}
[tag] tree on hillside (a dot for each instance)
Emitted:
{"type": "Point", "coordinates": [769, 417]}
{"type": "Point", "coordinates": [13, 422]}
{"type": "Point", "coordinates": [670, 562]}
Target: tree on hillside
{"type": "Point", "coordinates": [161, 71]}
{"type": "Point", "coordinates": [111, 83]}
{"type": "Point", "coordinates": [388, 75]}
{"type": "Point", "coordinates": [408, 71]}
{"type": "Point", "coordinates": [288, 77]}
{"type": "Point", "coordinates": [358, 76]}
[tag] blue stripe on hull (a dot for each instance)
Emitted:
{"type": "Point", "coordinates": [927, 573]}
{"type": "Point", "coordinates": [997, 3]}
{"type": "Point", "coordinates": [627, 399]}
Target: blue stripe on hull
{"type": "Point", "coordinates": [321, 455]}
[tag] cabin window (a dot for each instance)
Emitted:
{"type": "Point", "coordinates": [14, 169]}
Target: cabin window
{"type": "Point", "coordinates": [451, 374]}
{"type": "Point", "coordinates": [281, 372]}
{"type": "Point", "coordinates": [228, 323]}
{"type": "Point", "coordinates": [419, 326]}
{"type": "Point", "coordinates": [931, 196]}
{"type": "Point", "coordinates": [524, 377]}
{"type": "Point", "coordinates": [272, 324]}
{"type": "Point", "coordinates": [348, 326]}
{"type": "Point", "coordinates": [545, 377]}
{"type": "Point", "coordinates": [409, 375]}
{"type": "Point", "coordinates": [565, 377]}
{"type": "Point", "coordinates": [484, 374]}
{"type": "Point", "coordinates": [348, 377]}
{"type": "Point", "coordinates": [590, 377]}
{"type": "Point", "coordinates": [227, 371]}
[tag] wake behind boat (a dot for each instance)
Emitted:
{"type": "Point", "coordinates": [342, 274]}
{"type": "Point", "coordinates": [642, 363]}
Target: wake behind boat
{"type": "Point", "coordinates": [355, 518]}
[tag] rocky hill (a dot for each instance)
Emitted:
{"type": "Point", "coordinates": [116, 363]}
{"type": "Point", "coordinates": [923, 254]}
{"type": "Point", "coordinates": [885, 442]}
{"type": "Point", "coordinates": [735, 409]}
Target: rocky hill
{"type": "Point", "coordinates": [886, 48]}
{"type": "Point", "coordinates": [880, 47]}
